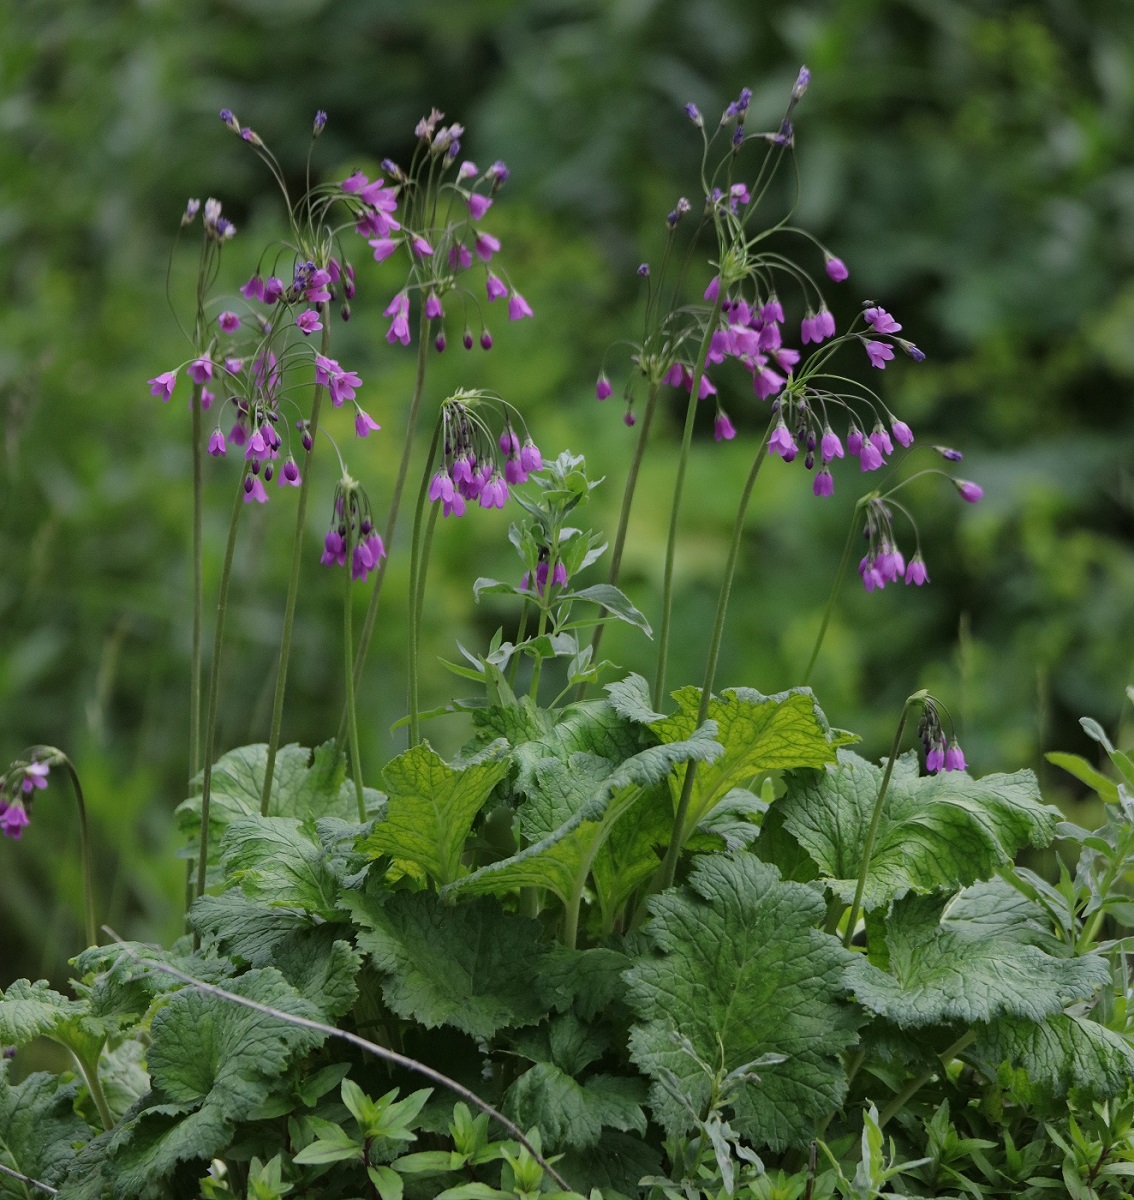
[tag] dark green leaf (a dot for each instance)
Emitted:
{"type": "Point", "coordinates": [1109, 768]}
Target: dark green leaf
{"type": "Point", "coordinates": [39, 1128]}
{"type": "Point", "coordinates": [277, 861]}
{"type": "Point", "coordinates": [570, 1114]}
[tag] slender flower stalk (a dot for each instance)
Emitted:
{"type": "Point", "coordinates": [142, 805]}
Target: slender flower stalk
{"type": "Point", "coordinates": [292, 588]}
{"type": "Point", "coordinates": [677, 838]}
{"type": "Point", "coordinates": [876, 817]}
{"type": "Point", "coordinates": [415, 567]}
{"type": "Point", "coordinates": [214, 687]}
{"type": "Point", "coordinates": [544, 602]}
{"type": "Point", "coordinates": [348, 665]}
{"type": "Point", "coordinates": [844, 562]}
{"type": "Point", "coordinates": [198, 598]}
{"type": "Point", "coordinates": [675, 510]}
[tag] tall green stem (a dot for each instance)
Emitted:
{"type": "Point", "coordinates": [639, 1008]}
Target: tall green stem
{"type": "Point", "coordinates": [829, 610]}
{"type": "Point", "coordinates": [876, 817]}
{"type": "Point", "coordinates": [198, 599]}
{"type": "Point", "coordinates": [84, 844]}
{"type": "Point", "coordinates": [293, 585]}
{"type": "Point", "coordinates": [624, 515]}
{"type": "Point", "coordinates": [395, 504]}
{"type": "Point", "coordinates": [89, 1072]}
{"type": "Point", "coordinates": [348, 665]}
{"type": "Point", "coordinates": [675, 510]}
{"type": "Point", "coordinates": [677, 838]}
{"type": "Point", "coordinates": [214, 685]}
{"type": "Point", "coordinates": [415, 568]}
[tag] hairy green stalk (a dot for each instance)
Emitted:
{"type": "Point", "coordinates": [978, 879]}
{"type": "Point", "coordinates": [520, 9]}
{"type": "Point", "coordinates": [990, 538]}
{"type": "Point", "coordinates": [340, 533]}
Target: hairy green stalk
{"type": "Point", "coordinates": [198, 597]}
{"type": "Point", "coordinates": [675, 510]}
{"type": "Point", "coordinates": [839, 576]}
{"type": "Point", "coordinates": [293, 587]}
{"type": "Point", "coordinates": [214, 687]}
{"type": "Point", "coordinates": [417, 567]}
{"type": "Point", "coordinates": [876, 818]}
{"type": "Point", "coordinates": [89, 1072]}
{"type": "Point", "coordinates": [348, 664]}
{"type": "Point", "coordinates": [677, 837]}
{"type": "Point", "coordinates": [395, 504]}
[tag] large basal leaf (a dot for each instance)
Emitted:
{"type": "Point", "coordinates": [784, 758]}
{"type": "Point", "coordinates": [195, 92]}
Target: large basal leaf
{"type": "Point", "coordinates": [39, 1129]}
{"type": "Point", "coordinates": [278, 861]}
{"type": "Point", "coordinates": [431, 807]}
{"type": "Point", "coordinates": [1064, 1052]}
{"type": "Point", "coordinates": [741, 972]}
{"type": "Point", "coordinates": [938, 833]}
{"type": "Point", "coordinates": [469, 965]}
{"type": "Point", "coordinates": [759, 733]}
{"type": "Point", "coordinates": [305, 783]}
{"type": "Point", "coordinates": [952, 970]}
{"type": "Point", "coordinates": [586, 981]}
{"type": "Point", "coordinates": [570, 1114]}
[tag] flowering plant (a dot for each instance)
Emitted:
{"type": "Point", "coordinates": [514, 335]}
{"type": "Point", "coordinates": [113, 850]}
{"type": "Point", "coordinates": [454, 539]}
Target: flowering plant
{"type": "Point", "coordinates": [664, 942]}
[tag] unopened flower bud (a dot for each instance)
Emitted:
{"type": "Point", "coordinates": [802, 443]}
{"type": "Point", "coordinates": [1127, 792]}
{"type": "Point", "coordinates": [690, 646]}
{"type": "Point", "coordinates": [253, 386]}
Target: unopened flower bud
{"type": "Point", "coordinates": [801, 82]}
{"type": "Point", "coordinates": [320, 121]}
{"type": "Point", "coordinates": [192, 207]}
{"type": "Point", "coordinates": [694, 115]}
{"type": "Point", "coordinates": [227, 116]}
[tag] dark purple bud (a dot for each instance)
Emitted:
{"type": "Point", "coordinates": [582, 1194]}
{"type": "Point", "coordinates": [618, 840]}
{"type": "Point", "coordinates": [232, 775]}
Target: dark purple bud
{"type": "Point", "coordinates": [320, 121]}
{"type": "Point", "coordinates": [694, 115]}
{"type": "Point", "coordinates": [307, 442]}
{"type": "Point", "coordinates": [290, 471]}
{"type": "Point", "coordinates": [467, 340]}
{"type": "Point", "coordinates": [738, 135]}
{"type": "Point", "coordinates": [486, 340]}
{"type": "Point", "coordinates": [809, 460]}
{"type": "Point", "coordinates": [344, 312]}
{"type": "Point", "coordinates": [801, 82]}
{"type": "Point", "coordinates": [743, 100]}
{"type": "Point", "coordinates": [226, 115]}
{"type": "Point", "coordinates": [629, 419]}
{"type": "Point", "coordinates": [248, 482]}
{"type": "Point", "coordinates": [269, 471]}
{"type": "Point", "coordinates": [949, 453]}
{"type": "Point", "coordinates": [439, 343]}
{"type": "Point", "coordinates": [644, 270]}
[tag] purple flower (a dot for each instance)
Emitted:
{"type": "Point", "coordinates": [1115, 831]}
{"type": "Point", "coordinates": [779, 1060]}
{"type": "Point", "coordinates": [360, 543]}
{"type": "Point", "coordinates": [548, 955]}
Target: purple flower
{"type": "Point", "coordinates": [486, 246]}
{"type": "Point", "coordinates": [355, 182]}
{"type": "Point", "coordinates": [781, 443]}
{"type": "Point", "coordinates": [253, 289]}
{"type": "Point", "coordinates": [954, 757]}
{"type": "Point", "coordinates": [421, 247]}
{"type": "Point", "coordinates": [399, 330]}
{"type": "Point", "coordinates": [383, 247]}
{"type": "Point", "coordinates": [855, 440]}
{"type": "Point", "coordinates": [343, 385]}
{"type": "Point", "coordinates": [334, 550]}
{"type": "Point", "coordinates": [824, 483]}
{"type": "Point", "coordinates": [35, 776]}
{"type": "Point", "coordinates": [694, 115]}
{"type": "Point", "coordinates": [228, 321]}
{"type": "Point", "coordinates": [441, 487]}
{"type": "Point", "coordinates": [201, 369]}
{"type": "Point", "coordinates": [254, 490]}
{"type": "Point", "coordinates": [824, 322]}
{"type": "Point", "coordinates": [934, 759]}
{"type": "Point", "coordinates": [603, 388]}
{"type": "Point", "coordinates": [879, 354]}
{"type": "Point", "coordinates": [273, 289]}
{"type": "Point", "coordinates": [836, 268]}
{"type": "Point", "coordinates": [518, 307]}
{"type": "Point", "coordinates": [902, 432]}
{"type": "Point", "coordinates": [363, 422]}
{"type": "Point", "coordinates": [459, 256]}
{"type": "Point", "coordinates": [915, 571]}
{"type": "Point", "coordinates": [870, 457]}
{"type": "Point", "coordinates": [433, 308]}
{"type": "Point", "coordinates": [162, 385]}
{"type": "Point", "coordinates": [495, 287]}
{"type": "Point", "coordinates": [530, 457]}
{"type": "Point", "coordinates": [478, 205]}
{"type": "Point", "coordinates": [514, 472]}
{"type": "Point", "coordinates": [454, 507]}
{"type": "Point", "coordinates": [308, 321]}
{"type": "Point", "coordinates": [216, 444]}
{"type": "Point", "coordinates": [881, 439]}
{"type": "Point", "coordinates": [880, 320]}
{"type": "Point", "coordinates": [13, 818]}
{"type": "Point", "coordinates": [969, 491]}
{"type": "Point", "coordinates": [723, 430]}
{"type": "Point", "coordinates": [289, 476]}
{"type": "Point", "coordinates": [830, 447]}
{"type": "Point", "coordinates": [872, 578]}
{"type": "Point", "coordinates": [713, 290]}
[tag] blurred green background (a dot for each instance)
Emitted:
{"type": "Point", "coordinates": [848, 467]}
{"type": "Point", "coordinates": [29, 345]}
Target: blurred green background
{"type": "Point", "coordinates": [972, 162]}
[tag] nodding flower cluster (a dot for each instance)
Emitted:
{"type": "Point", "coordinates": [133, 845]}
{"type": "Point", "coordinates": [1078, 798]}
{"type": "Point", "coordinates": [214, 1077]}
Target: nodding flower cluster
{"type": "Point", "coordinates": [352, 532]}
{"type": "Point", "coordinates": [438, 253]}
{"type": "Point", "coordinates": [468, 470]}
{"type": "Point", "coordinates": [939, 754]}
{"type": "Point", "coordinates": [17, 789]}
{"type": "Point", "coordinates": [883, 562]}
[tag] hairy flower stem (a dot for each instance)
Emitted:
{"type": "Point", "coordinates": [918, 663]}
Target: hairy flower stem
{"type": "Point", "coordinates": [919, 1081]}
{"type": "Point", "coordinates": [348, 671]}
{"type": "Point", "coordinates": [677, 838]}
{"type": "Point", "coordinates": [214, 688]}
{"type": "Point", "coordinates": [675, 510]}
{"type": "Point", "coordinates": [624, 515]}
{"type": "Point", "coordinates": [879, 804]}
{"type": "Point", "coordinates": [84, 850]}
{"type": "Point", "coordinates": [416, 566]}
{"type": "Point", "coordinates": [839, 576]}
{"type": "Point", "coordinates": [293, 586]}
{"type": "Point", "coordinates": [395, 504]}
{"type": "Point", "coordinates": [198, 599]}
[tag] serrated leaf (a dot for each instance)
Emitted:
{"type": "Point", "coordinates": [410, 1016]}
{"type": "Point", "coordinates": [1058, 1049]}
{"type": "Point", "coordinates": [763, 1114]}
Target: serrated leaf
{"type": "Point", "coordinates": [587, 981]}
{"type": "Point", "coordinates": [759, 733]}
{"type": "Point", "coordinates": [570, 1114]}
{"type": "Point", "coordinates": [469, 965]}
{"type": "Point", "coordinates": [740, 972]}
{"type": "Point", "coordinates": [938, 833]}
{"type": "Point", "coordinates": [1058, 1054]}
{"type": "Point", "coordinates": [616, 602]}
{"type": "Point", "coordinates": [431, 807]}
{"type": "Point", "coordinates": [614, 1165]}
{"type": "Point", "coordinates": [39, 1129]}
{"type": "Point", "coordinates": [276, 861]}
{"type": "Point", "coordinates": [943, 971]}
{"type": "Point", "coordinates": [320, 967]}
{"type": "Point", "coordinates": [30, 1010]}
{"type": "Point", "coordinates": [248, 931]}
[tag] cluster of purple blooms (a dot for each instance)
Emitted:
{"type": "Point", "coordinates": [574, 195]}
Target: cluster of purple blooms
{"type": "Point", "coordinates": [352, 528]}
{"type": "Point", "coordinates": [542, 571]}
{"type": "Point", "coordinates": [940, 755]}
{"type": "Point", "coordinates": [883, 562]}
{"type": "Point", "coordinates": [468, 469]}
{"type": "Point", "coordinates": [16, 791]}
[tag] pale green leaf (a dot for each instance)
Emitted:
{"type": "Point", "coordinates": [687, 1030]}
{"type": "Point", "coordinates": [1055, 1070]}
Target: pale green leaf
{"type": "Point", "coordinates": [277, 861]}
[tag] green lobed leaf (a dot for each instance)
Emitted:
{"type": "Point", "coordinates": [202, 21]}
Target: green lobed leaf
{"type": "Point", "coordinates": [39, 1129]}
{"type": "Point", "coordinates": [431, 807]}
{"type": "Point", "coordinates": [587, 981]}
{"type": "Point", "coordinates": [1063, 1052]}
{"type": "Point", "coordinates": [279, 862]}
{"type": "Point", "coordinates": [30, 1010]}
{"type": "Point", "coordinates": [740, 972]}
{"type": "Point", "coordinates": [951, 970]}
{"type": "Point", "coordinates": [248, 931]}
{"type": "Point", "coordinates": [321, 968]}
{"type": "Point", "coordinates": [570, 1114]}
{"type": "Point", "coordinates": [938, 833]}
{"type": "Point", "coordinates": [469, 966]}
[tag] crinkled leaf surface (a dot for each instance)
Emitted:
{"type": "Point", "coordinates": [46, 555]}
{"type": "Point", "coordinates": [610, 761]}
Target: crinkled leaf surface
{"type": "Point", "coordinates": [938, 833]}
{"type": "Point", "coordinates": [38, 1128]}
{"type": "Point", "coordinates": [758, 733]}
{"type": "Point", "coordinates": [30, 1010]}
{"type": "Point", "coordinates": [469, 965]}
{"type": "Point", "coordinates": [248, 931]}
{"type": "Point", "coordinates": [279, 861]}
{"type": "Point", "coordinates": [588, 981]}
{"type": "Point", "coordinates": [320, 967]}
{"type": "Point", "coordinates": [952, 970]}
{"type": "Point", "coordinates": [570, 1114]}
{"type": "Point", "coordinates": [1065, 1051]}
{"type": "Point", "coordinates": [431, 807]}
{"type": "Point", "coordinates": [741, 972]}
{"type": "Point", "coordinates": [305, 783]}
